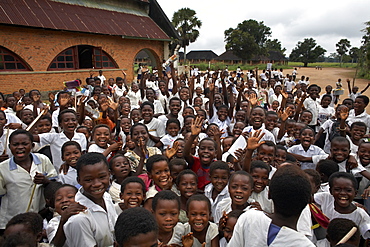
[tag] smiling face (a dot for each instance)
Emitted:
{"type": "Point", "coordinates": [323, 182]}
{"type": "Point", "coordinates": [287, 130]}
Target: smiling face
{"type": "Point", "coordinates": [132, 195]}
{"type": "Point", "coordinates": [198, 214]}
{"type": "Point", "coordinates": [173, 129]}
{"type": "Point", "coordinates": [43, 126]}
{"type": "Point", "coordinates": [126, 125]}
{"type": "Point", "coordinates": [120, 168]}
{"type": "Point", "coordinates": [70, 155]}
{"type": "Point", "coordinates": [167, 214]}
{"type": "Point", "coordinates": [101, 136]}
{"type": "Point", "coordinates": [359, 106]}
{"type": "Point", "coordinates": [68, 122]}
{"type": "Point", "coordinates": [280, 156]}
{"type": "Point", "coordinates": [266, 154]}
{"type": "Point", "coordinates": [27, 116]}
{"type": "Point", "coordinates": [135, 116]}
{"type": "Point", "coordinates": [307, 138]}
{"type": "Point", "coordinates": [314, 92]}
{"type": "Point", "coordinates": [339, 151]}
{"type": "Point", "coordinates": [147, 113]}
{"type": "Point", "coordinates": [229, 228]}
{"type": "Point", "coordinates": [206, 152]}
{"type": "Point", "coordinates": [184, 94]}
{"type": "Point", "coordinates": [222, 113]}
{"type": "Point", "coordinates": [63, 198]}
{"type": "Point", "coordinates": [261, 178]}
{"type": "Point", "coordinates": [226, 144]}
{"type": "Point", "coordinates": [160, 173]}
{"type": "Point", "coordinates": [139, 133]}
{"type": "Point", "coordinates": [20, 146]}
{"type": "Point", "coordinates": [95, 180]}
{"type": "Point", "coordinates": [343, 192]}
{"type": "Point", "coordinates": [175, 107]}
{"type": "Point", "coordinates": [257, 118]}
{"type": "Point", "coordinates": [325, 101]}
{"type": "Point", "coordinates": [187, 185]}
{"type": "Point", "coordinates": [364, 153]}
{"type": "Point", "coordinates": [238, 129]}
{"type": "Point", "coordinates": [187, 112]}
{"type": "Point", "coordinates": [240, 189]}
{"type": "Point", "coordinates": [306, 118]}
{"type": "Point", "coordinates": [271, 121]}
{"type": "Point", "coordinates": [358, 132]}
{"type": "Point", "coordinates": [297, 129]}
{"type": "Point", "coordinates": [219, 179]}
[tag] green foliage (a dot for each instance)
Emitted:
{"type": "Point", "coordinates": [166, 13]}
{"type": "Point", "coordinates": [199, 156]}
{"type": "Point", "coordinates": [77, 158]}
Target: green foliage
{"type": "Point", "coordinates": [354, 53]}
{"type": "Point", "coordinates": [324, 65]}
{"type": "Point", "coordinates": [342, 47]}
{"type": "Point", "coordinates": [307, 52]}
{"type": "Point", "coordinates": [248, 39]}
{"type": "Point", "coordinates": [274, 45]}
{"type": "Point", "coordinates": [233, 67]}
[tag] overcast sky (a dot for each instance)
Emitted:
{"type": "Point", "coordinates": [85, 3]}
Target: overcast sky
{"type": "Point", "coordinates": [326, 21]}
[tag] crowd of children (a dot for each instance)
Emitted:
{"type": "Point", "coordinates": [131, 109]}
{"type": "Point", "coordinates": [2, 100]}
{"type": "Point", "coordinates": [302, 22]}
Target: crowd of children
{"type": "Point", "coordinates": [215, 158]}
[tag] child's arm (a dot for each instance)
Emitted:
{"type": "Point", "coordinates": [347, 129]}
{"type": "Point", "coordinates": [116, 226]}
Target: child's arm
{"type": "Point", "coordinates": [142, 85]}
{"type": "Point", "coordinates": [367, 86]}
{"type": "Point", "coordinates": [114, 147]}
{"type": "Point", "coordinates": [239, 99]}
{"type": "Point", "coordinates": [174, 80]}
{"type": "Point", "coordinates": [252, 144]}
{"type": "Point", "coordinates": [344, 112]}
{"type": "Point", "coordinates": [191, 89]}
{"type": "Point", "coordinates": [224, 90]}
{"type": "Point", "coordinates": [349, 86]}
{"type": "Point", "coordinates": [299, 107]}
{"type": "Point", "coordinates": [196, 128]}
{"type": "Point", "coordinates": [217, 135]}
{"type": "Point", "coordinates": [283, 102]}
{"type": "Point", "coordinates": [284, 116]}
{"type": "Point", "coordinates": [142, 155]}
{"type": "Point", "coordinates": [232, 102]}
{"type": "Point", "coordinates": [214, 242]}
{"type": "Point", "coordinates": [211, 98]}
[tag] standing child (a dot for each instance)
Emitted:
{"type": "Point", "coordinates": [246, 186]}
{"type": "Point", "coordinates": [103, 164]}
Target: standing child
{"type": "Point", "coordinates": [101, 135]}
{"type": "Point", "coordinates": [95, 227]}
{"type": "Point", "coordinates": [71, 152]}
{"type": "Point", "coordinates": [325, 110]}
{"type": "Point", "coordinates": [172, 129]}
{"type": "Point", "coordinates": [187, 183]}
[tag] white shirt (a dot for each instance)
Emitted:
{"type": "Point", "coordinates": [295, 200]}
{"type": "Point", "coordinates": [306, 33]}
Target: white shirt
{"type": "Point", "coordinates": [313, 107]}
{"type": "Point", "coordinates": [94, 227]}
{"type": "Point", "coordinates": [115, 191]}
{"type": "Point", "coordinates": [69, 178]}
{"type": "Point", "coordinates": [222, 195]}
{"type": "Point", "coordinates": [325, 114]}
{"type": "Point", "coordinates": [312, 150]}
{"type": "Point", "coordinates": [155, 128]}
{"type": "Point", "coordinates": [262, 198]}
{"type": "Point", "coordinates": [52, 228]}
{"type": "Point", "coordinates": [168, 140]}
{"type": "Point", "coordinates": [363, 117]}
{"type": "Point", "coordinates": [222, 125]}
{"type": "Point", "coordinates": [212, 232]}
{"type": "Point", "coordinates": [273, 97]}
{"type": "Point", "coordinates": [164, 119]}
{"type": "Point", "coordinates": [16, 185]}
{"type": "Point", "coordinates": [56, 141]}
{"type": "Point", "coordinates": [134, 98]}
{"type": "Point", "coordinates": [118, 92]}
{"type": "Point", "coordinates": [289, 85]}
{"type": "Point", "coordinates": [102, 79]}
{"type": "Point", "coordinates": [342, 165]}
{"type": "Point", "coordinates": [225, 206]}
{"type": "Point", "coordinates": [4, 142]}
{"type": "Point", "coordinates": [95, 148]}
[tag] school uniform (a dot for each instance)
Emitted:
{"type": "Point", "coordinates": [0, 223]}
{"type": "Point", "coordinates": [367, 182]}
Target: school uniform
{"type": "Point", "coordinates": [168, 140]}
{"type": "Point", "coordinates": [222, 195]}
{"type": "Point", "coordinates": [253, 230]}
{"type": "Point", "coordinates": [134, 98]}
{"type": "Point", "coordinates": [212, 232]}
{"type": "Point", "coordinates": [56, 141]}
{"type": "Point", "coordinates": [115, 191]}
{"type": "Point", "coordinates": [155, 128]}
{"type": "Point", "coordinates": [342, 165]}
{"type": "Point", "coordinates": [313, 106]}
{"type": "Point", "coordinates": [118, 92]}
{"type": "Point", "coordinates": [225, 206]}
{"type": "Point", "coordinates": [93, 148]}
{"type": "Point", "coordinates": [4, 142]}
{"type": "Point", "coordinates": [52, 228]}
{"type": "Point", "coordinates": [178, 232]}
{"type": "Point", "coordinates": [312, 150]}
{"type": "Point", "coordinates": [69, 178]}
{"type": "Point", "coordinates": [164, 119]}
{"type": "Point", "coordinates": [94, 226]}
{"type": "Point", "coordinates": [262, 198]}
{"type": "Point", "coordinates": [363, 117]}
{"type": "Point", "coordinates": [267, 137]}
{"type": "Point", "coordinates": [222, 125]}
{"type": "Point", "coordinates": [16, 186]}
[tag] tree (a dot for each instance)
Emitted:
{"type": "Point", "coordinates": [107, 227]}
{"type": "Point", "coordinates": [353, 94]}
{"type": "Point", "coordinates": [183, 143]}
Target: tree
{"type": "Point", "coordinates": [248, 39]}
{"type": "Point", "coordinates": [342, 47]}
{"type": "Point", "coordinates": [274, 45]}
{"type": "Point", "coordinates": [354, 53]}
{"type": "Point", "coordinates": [306, 52]}
{"type": "Point", "coordinates": [186, 24]}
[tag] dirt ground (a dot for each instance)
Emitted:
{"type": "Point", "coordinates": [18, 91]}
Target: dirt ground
{"type": "Point", "coordinates": [329, 76]}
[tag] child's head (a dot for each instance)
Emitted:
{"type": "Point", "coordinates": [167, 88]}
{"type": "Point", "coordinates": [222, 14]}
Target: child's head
{"type": "Point", "coordinates": [314, 90]}
{"type": "Point", "coordinates": [101, 135]}
{"type": "Point", "coordinates": [358, 130]}
{"type": "Point", "coordinates": [176, 166]}
{"type": "Point", "coordinates": [133, 192]}
{"type": "Point", "coordinates": [139, 132]}
{"type": "Point", "coordinates": [257, 117]}
{"type": "Point", "coordinates": [202, 114]}
{"type": "Point", "coordinates": [119, 167]}
{"type": "Point", "coordinates": [211, 129]}
{"type": "Point", "coordinates": [227, 143]}
{"type": "Point", "coordinates": [275, 105]}
{"type": "Point", "coordinates": [125, 125]}
{"type": "Point", "coordinates": [25, 223]}
{"type": "Point", "coordinates": [64, 196]}
{"type": "Point", "coordinates": [343, 187]}
{"type": "Point", "coordinates": [271, 120]}
{"type": "Point", "coordinates": [175, 106]}
{"type": "Point", "coordinates": [84, 130]}
{"type": "Point", "coordinates": [187, 183]}
{"type": "Point", "coordinates": [88, 123]}
{"type": "Point", "coordinates": [297, 129]}
{"type": "Point", "coordinates": [135, 116]}
{"type": "Point", "coordinates": [340, 149]}
{"type": "Point", "coordinates": [364, 153]}
{"type": "Point", "coordinates": [232, 218]}
{"type": "Point", "coordinates": [26, 116]}
{"type": "Point", "coordinates": [338, 228]}
{"type": "Point", "coordinates": [281, 153]}
{"type": "Point", "coordinates": [266, 152]}
{"type": "Point", "coordinates": [136, 227]}
{"type": "Point", "coordinates": [188, 120]}
{"type": "Point", "coordinates": [326, 100]}
{"type": "Point", "coordinates": [222, 112]}
{"type": "Point", "coordinates": [238, 128]}
{"type": "Point", "coordinates": [290, 191]}
{"type": "Point", "coordinates": [328, 89]}
{"type": "Point", "coordinates": [21, 144]}
{"type": "Point", "coordinates": [93, 175]}
{"type": "Point", "coordinates": [349, 103]}
{"type": "Point", "coordinates": [198, 209]}
{"type": "Point", "coordinates": [166, 210]}
{"type": "Point", "coordinates": [187, 111]}
{"type": "Point", "coordinates": [325, 168]}
{"type": "Point", "coordinates": [306, 117]}
{"type": "Point", "coordinates": [207, 151]}
{"type": "Point", "coordinates": [67, 120]}
{"type": "Point", "coordinates": [158, 170]}
{"type": "Point", "coordinates": [147, 111]}
{"type": "Point", "coordinates": [240, 188]}
{"type": "Point", "coordinates": [44, 125]}
{"type": "Point", "coordinates": [314, 179]}
{"type": "Point", "coordinates": [49, 193]}
{"type": "Point", "coordinates": [307, 137]}
{"type": "Point", "coordinates": [260, 173]}
{"type": "Point", "coordinates": [360, 104]}
{"type": "Point", "coordinates": [71, 152]}
{"type": "Point", "coordinates": [219, 173]}
{"type": "Point", "coordinates": [173, 127]}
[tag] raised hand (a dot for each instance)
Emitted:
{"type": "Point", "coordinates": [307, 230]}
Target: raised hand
{"type": "Point", "coordinates": [344, 112]}
{"type": "Point", "coordinates": [239, 153]}
{"type": "Point", "coordinates": [112, 104]}
{"type": "Point", "coordinates": [284, 94]}
{"type": "Point", "coordinates": [253, 141]}
{"type": "Point", "coordinates": [196, 126]}
{"type": "Point", "coordinates": [222, 223]}
{"type": "Point", "coordinates": [64, 99]}
{"type": "Point", "coordinates": [253, 99]}
{"type": "Point", "coordinates": [211, 86]}
{"type": "Point", "coordinates": [142, 147]}
{"type": "Point", "coordinates": [188, 240]}
{"type": "Point", "coordinates": [170, 152]}
{"type": "Point", "coordinates": [51, 97]}
{"type": "Point", "coordinates": [284, 115]}
{"type": "Point", "coordinates": [104, 106]}
{"type": "Point", "coordinates": [18, 107]}
{"type": "Point", "coordinates": [72, 209]}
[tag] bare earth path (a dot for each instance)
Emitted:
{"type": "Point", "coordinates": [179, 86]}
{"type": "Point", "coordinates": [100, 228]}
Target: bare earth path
{"type": "Point", "coordinates": [328, 76]}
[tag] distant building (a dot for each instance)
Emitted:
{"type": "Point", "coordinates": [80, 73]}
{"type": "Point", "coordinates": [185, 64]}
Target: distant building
{"type": "Point", "coordinates": [46, 42]}
{"type": "Point", "coordinates": [203, 56]}
{"type": "Point", "coordinates": [229, 57]}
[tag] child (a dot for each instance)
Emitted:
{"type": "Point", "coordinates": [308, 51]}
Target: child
{"type": "Point", "coordinates": [22, 175]}
{"type": "Point", "coordinates": [357, 132]}
{"type": "Point", "coordinates": [172, 129]}
{"type": "Point", "coordinates": [95, 227]}
{"type": "Point", "coordinates": [132, 194]}
{"type": "Point", "coordinates": [198, 209]}
{"type": "Point", "coordinates": [176, 165]}
{"type": "Point", "coordinates": [136, 227]}
{"type": "Point", "coordinates": [71, 152]}
{"type": "Point", "coordinates": [101, 135]}
{"type": "Point", "coordinates": [338, 203]}
{"type": "Point", "coordinates": [176, 152]}
{"type": "Point", "coordinates": [166, 209]}
{"type": "Point", "coordinates": [290, 192]}
{"type": "Point", "coordinates": [227, 226]}
{"type": "Point", "coordinates": [187, 183]}
{"type": "Point", "coordinates": [240, 189]}
{"type": "Point", "coordinates": [65, 207]}
{"type": "Point", "coordinates": [260, 174]}
{"type": "Point", "coordinates": [159, 172]}
{"type": "Point", "coordinates": [120, 169]}
{"type": "Point", "coordinates": [325, 110]}
{"type": "Point", "coordinates": [325, 168]}
{"type": "Point", "coordinates": [217, 190]}
{"type": "Point", "coordinates": [281, 154]}
{"type": "Point", "coordinates": [338, 229]}
{"type": "Point", "coordinates": [312, 104]}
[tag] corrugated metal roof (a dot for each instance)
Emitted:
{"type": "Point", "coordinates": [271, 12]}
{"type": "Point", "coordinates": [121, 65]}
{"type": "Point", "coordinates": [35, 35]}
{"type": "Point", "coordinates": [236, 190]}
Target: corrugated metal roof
{"type": "Point", "coordinates": [61, 16]}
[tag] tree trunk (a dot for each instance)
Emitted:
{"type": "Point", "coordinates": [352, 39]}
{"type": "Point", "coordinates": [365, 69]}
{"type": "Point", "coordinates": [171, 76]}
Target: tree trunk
{"type": "Point", "coordinates": [305, 64]}
{"type": "Point", "coordinates": [184, 54]}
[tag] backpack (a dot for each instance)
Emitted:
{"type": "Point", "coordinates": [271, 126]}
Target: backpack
{"type": "Point", "coordinates": [334, 130]}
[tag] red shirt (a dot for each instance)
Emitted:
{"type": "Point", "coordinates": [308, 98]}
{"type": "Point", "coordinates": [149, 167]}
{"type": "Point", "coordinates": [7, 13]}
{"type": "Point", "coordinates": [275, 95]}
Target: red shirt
{"type": "Point", "coordinates": [202, 173]}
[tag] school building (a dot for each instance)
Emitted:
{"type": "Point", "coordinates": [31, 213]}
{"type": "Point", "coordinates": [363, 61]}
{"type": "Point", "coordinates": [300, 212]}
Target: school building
{"type": "Point", "coordinates": [46, 42]}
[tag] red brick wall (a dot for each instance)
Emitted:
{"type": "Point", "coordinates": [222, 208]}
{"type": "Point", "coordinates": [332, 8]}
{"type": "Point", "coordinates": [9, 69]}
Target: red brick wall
{"type": "Point", "coordinates": [39, 47]}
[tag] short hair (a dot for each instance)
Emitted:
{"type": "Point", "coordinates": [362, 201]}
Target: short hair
{"type": "Point", "coordinates": [100, 126]}
{"type": "Point", "coordinates": [83, 127]}
{"type": "Point", "coordinates": [219, 165]}
{"type": "Point", "coordinates": [243, 173]}
{"type": "Point", "coordinates": [209, 139]}
{"type": "Point", "coordinates": [153, 159]}
{"type": "Point", "coordinates": [306, 128]}
{"type": "Point", "coordinates": [163, 195]}
{"type": "Point", "coordinates": [326, 95]}
{"type": "Point", "coordinates": [174, 98]}
{"type": "Point", "coordinates": [327, 167]}
{"type": "Point", "coordinates": [223, 107]}
{"type": "Point", "coordinates": [23, 239]}
{"type": "Point", "coordinates": [70, 143]}
{"type": "Point", "coordinates": [358, 124]}
{"type": "Point", "coordinates": [281, 147]}
{"type": "Point", "coordinates": [235, 213]}
{"type": "Point", "coordinates": [259, 107]}
{"type": "Point", "coordinates": [269, 144]}
{"type": "Point", "coordinates": [306, 111]}
{"type": "Point", "coordinates": [136, 125]}
{"type": "Point", "coordinates": [50, 189]}
{"type": "Point", "coordinates": [132, 222]}
{"type": "Point", "coordinates": [110, 163]}
{"type": "Point", "coordinates": [65, 111]}
{"type": "Point", "coordinates": [340, 139]}
{"type": "Point", "coordinates": [290, 191]}
{"type": "Point", "coordinates": [183, 173]}
{"type": "Point", "coordinates": [119, 78]}
{"type": "Point", "coordinates": [291, 158]}
{"type": "Point", "coordinates": [178, 162]}
{"type": "Point", "coordinates": [314, 85]}
{"type": "Point", "coordinates": [186, 117]}
{"type": "Point", "coordinates": [133, 179]}
{"type": "Point", "coordinates": [364, 98]}
{"type": "Point", "coordinates": [31, 220]}
{"type": "Point", "coordinates": [315, 175]}
{"type": "Point", "coordinates": [271, 113]}
{"type": "Point", "coordinates": [347, 99]}
{"type": "Point", "coordinates": [90, 159]}
{"type": "Point", "coordinates": [346, 175]}
{"type": "Point", "coordinates": [20, 132]}
{"type": "Point", "coordinates": [259, 164]}
{"type": "Point", "coordinates": [147, 103]}
{"type": "Point", "coordinates": [199, 198]}
{"type": "Point", "coordinates": [339, 227]}
{"type": "Point", "coordinates": [46, 117]}
{"type": "Point", "coordinates": [173, 120]}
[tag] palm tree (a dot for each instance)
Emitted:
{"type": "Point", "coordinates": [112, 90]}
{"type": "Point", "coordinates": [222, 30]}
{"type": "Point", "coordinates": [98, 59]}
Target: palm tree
{"type": "Point", "coordinates": [186, 24]}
